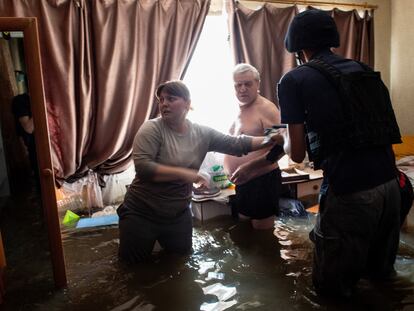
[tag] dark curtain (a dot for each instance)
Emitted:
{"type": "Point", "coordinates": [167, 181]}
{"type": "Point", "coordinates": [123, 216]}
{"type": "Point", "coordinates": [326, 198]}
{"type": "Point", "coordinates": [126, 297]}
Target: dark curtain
{"type": "Point", "coordinates": [257, 37]}
{"type": "Point", "coordinates": [101, 61]}
{"type": "Point", "coordinates": [356, 35]}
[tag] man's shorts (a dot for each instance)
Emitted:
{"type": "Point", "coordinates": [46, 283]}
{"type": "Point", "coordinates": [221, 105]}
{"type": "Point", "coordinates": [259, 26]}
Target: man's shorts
{"type": "Point", "coordinates": [259, 198]}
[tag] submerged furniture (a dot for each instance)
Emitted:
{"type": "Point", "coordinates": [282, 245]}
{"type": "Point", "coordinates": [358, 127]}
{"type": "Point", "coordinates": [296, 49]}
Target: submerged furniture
{"type": "Point", "coordinates": [213, 207]}
{"type": "Point", "coordinates": [297, 186]}
{"type": "Point", "coordinates": [304, 187]}
{"type": "Point", "coordinates": [300, 179]}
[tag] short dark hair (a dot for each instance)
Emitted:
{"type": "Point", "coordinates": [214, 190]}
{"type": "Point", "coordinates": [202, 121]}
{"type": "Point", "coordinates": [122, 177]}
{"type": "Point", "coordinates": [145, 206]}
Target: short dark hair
{"type": "Point", "coordinates": [175, 88]}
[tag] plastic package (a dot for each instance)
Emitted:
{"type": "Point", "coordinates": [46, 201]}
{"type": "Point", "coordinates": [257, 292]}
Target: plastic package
{"type": "Point", "coordinates": [91, 194]}
{"type": "Point", "coordinates": [219, 177]}
{"type": "Point", "coordinates": [292, 208]}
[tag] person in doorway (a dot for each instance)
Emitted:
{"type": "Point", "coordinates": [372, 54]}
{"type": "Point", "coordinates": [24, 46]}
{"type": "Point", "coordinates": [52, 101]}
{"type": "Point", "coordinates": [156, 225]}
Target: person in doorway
{"type": "Point", "coordinates": [168, 152]}
{"type": "Point", "coordinates": [257, 186]}
{"type": "Point", "coordinates": [357, 229]}
{"type": "Point", "coordinates": [25, 129]}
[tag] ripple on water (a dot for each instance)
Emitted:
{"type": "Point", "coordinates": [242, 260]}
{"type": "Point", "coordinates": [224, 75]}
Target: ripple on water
{"type": "Point", "coordinates": [232, 267]}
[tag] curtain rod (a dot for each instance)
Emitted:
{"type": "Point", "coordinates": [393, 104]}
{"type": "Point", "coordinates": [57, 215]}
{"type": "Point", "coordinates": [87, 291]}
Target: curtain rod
{"type": "Point", "coordinates": [364, 5]}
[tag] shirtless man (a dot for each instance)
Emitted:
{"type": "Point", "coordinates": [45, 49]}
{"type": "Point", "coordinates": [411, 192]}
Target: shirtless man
{"type": "Point", "coordinates": [257, 190]}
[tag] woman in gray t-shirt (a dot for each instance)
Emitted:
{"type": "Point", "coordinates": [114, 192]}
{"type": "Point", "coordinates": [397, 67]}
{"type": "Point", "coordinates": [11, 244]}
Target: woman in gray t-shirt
{"type": "Point", "coordinates": [167, 153]}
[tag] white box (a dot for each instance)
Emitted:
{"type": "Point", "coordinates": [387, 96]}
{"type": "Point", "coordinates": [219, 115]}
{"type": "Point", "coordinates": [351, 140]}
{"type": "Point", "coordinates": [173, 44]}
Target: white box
{"type": "Point", "coordinates": [209, 209]}
{"type": "Point", "coordinates": [213, 207]}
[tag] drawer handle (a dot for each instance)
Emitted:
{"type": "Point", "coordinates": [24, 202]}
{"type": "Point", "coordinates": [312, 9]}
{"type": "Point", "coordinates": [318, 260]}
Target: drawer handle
{"type": "Point", "coordinates": [315, 187]}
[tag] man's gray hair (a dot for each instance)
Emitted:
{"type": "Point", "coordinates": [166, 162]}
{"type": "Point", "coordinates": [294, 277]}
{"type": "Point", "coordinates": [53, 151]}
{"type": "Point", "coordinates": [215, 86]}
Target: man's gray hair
{"type": "Point", "coordinates": [243, 67]}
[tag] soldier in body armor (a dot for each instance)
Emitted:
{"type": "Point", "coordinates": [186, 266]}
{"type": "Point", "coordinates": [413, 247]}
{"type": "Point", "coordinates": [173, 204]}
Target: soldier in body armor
{"type": "Point", "coordinates": [357, 231]}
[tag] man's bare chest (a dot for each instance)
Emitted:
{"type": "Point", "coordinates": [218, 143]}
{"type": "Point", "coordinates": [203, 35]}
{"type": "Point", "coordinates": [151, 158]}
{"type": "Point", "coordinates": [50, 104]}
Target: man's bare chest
{"type": "Point", "coordinates": [249, 124]}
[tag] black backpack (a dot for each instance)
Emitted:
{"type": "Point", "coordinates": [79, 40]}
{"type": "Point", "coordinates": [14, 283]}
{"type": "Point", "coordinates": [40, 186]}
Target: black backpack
{"type": "Point", "coordinates": [367, 118]}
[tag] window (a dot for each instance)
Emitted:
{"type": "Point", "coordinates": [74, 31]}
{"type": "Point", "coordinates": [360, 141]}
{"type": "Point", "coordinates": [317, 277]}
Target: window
{"type": "Point", "coordinates": [209, 77]}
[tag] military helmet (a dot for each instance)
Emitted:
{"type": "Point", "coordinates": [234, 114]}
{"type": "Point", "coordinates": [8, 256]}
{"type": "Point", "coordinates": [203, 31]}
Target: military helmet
{"type": "Point", "coordinates": [311, 29]}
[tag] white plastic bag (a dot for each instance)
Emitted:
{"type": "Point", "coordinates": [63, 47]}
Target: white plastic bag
{"type": "Point", "coordinates": [116, 185]}
{"type": "Point", "coordinates": [92, 193]}
{"type": "Point", "coordinates": [213, 165]}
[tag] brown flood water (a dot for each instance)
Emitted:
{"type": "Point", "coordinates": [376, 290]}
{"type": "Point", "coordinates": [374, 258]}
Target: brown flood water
{"type": "Point", "coordinates": [232, 268]}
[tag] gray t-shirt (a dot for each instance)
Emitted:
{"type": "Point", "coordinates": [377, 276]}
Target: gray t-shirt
{"type": "Point", "coordinates": [155, 143]}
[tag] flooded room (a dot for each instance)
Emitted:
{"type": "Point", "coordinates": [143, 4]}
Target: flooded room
{"type": "Point", "coordinates": [206, 155]}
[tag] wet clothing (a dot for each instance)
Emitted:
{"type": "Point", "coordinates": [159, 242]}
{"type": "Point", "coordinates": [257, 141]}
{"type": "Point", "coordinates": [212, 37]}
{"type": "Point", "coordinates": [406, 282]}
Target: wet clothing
{"type": "Point", "coordinates": [164, 203]}
{"type": "Point", "coordinates": [137, 235]}
{"type": "Point", "coordinates": [356, 235]}
{"type": "Point", "coordinates": [359, 211]}
{"type": "Point", "coordinates": [259, 198]}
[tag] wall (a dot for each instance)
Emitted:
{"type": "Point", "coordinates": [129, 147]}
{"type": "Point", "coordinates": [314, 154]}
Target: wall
{"type": "Point", "coordinates": [402, 66]}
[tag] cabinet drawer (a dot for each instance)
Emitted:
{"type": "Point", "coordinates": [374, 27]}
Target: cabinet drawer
{"type": "Point", "coordinates": [308, 187]}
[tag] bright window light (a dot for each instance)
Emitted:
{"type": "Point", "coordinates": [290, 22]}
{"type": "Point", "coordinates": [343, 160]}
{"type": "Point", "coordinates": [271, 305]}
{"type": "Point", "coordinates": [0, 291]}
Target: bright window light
{"type": "Point", "coordinates": [209, 77]}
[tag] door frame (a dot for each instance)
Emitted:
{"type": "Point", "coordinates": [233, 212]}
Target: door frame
{"type": "Point", "coordinates": [28, 25]}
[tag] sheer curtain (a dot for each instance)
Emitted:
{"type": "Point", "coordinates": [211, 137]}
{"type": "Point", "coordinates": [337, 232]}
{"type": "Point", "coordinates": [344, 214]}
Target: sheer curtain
{"type": "Point", "coordinates": [102, 60]}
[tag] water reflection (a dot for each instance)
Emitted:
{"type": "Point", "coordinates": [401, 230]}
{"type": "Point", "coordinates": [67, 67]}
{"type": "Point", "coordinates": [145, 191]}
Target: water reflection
{"type": "Point", "coordinates": [232, 268]}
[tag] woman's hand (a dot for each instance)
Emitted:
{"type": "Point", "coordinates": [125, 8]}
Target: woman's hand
{"type": "Point", "coordinates": [202, 179]}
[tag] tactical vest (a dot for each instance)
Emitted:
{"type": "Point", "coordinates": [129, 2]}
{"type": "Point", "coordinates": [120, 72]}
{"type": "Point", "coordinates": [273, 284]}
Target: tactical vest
{"type": "Point", "coordinates": [366, 117]}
